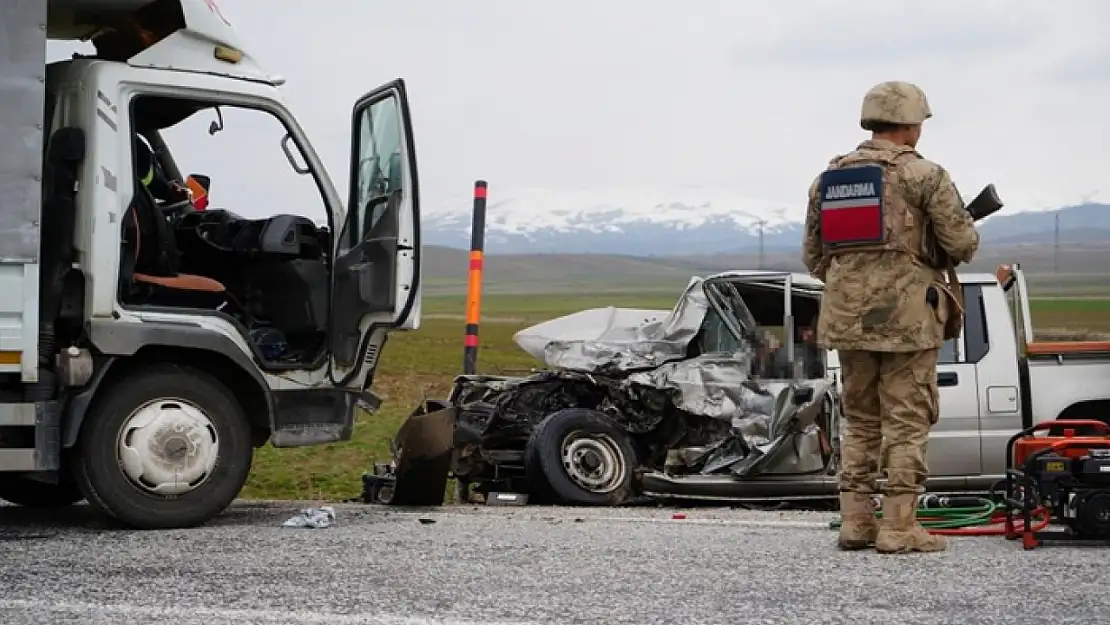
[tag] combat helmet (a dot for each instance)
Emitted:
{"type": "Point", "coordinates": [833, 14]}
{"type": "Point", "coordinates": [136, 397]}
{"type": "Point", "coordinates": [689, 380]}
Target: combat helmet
{"type": "Point", "coordinates": [894, 102]}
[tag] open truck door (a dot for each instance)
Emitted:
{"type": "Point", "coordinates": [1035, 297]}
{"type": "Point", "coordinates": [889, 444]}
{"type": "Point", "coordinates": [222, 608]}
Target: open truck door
{"type": "Point", "coordinates": [376, 273]}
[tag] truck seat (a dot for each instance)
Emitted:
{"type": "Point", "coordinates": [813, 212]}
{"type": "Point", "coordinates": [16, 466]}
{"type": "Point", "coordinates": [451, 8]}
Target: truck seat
{"type": "Point", "coordinates": [158, 266]}
{"type": "Point", "coordinates": [179, 281]}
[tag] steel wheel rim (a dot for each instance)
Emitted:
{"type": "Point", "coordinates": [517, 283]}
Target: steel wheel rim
{"type": "Point", "coordinates": [594, 462]}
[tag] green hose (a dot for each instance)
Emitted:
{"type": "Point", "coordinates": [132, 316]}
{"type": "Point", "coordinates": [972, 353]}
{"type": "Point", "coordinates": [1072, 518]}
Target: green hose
{"type": "Point", "coordinates": [948, 518]}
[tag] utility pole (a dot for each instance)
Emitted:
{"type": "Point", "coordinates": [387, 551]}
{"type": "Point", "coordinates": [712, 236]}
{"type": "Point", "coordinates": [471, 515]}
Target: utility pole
{"type": "Point", "coordinates": [1056, 244]}
{"type": "Point", "coordinates": [761, 223]}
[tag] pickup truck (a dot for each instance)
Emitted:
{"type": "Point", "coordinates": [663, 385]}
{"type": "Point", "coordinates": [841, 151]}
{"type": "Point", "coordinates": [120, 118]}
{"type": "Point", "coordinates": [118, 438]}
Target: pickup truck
{"type": "Point", "coordinates": [995, 379]}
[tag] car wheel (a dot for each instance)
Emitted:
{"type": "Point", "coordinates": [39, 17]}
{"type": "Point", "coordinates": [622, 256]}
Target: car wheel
{"type": "Point", "coordinates": [167, 447]}
{"type": "Point", "coordinates": [578, 457]}
{"type": "Point", "coordinates": [34, 494]}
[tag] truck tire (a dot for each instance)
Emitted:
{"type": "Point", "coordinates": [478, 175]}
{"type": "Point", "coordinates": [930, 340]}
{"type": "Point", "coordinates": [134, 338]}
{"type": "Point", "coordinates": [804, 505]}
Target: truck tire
{"type": "Point", "coordinates": [33, 494]}
{"type": "Point", "coordinates": [166, 447]}
{"type": "Point", "coordinates": [578, 457]}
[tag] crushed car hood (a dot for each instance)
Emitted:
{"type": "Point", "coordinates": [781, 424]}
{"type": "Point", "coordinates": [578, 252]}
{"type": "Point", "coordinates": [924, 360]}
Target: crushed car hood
{"type": "Point", "coordinates": [650, 348]}
{"type": "Point", "coordinates": [613, 340]}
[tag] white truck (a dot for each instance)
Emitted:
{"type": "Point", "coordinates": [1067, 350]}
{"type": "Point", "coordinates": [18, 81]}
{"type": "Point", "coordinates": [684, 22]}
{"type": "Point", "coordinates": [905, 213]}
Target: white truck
{"type": "Point", "coordinates": [147, 346]}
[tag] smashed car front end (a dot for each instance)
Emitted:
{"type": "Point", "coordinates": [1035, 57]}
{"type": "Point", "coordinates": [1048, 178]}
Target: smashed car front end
{"type": "Point", "coordinates": [678, 384]}
{"type": "Point", "coordinates": [787, 449]}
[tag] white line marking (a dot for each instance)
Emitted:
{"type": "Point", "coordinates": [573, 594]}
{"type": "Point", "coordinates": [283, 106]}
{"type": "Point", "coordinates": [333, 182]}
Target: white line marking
{"type": "Point", "coordinates": [230, 615]}
{"type": "Point", "coordinates": [691, 518]}
{"type": "Point", "coordinates": [769, 523]}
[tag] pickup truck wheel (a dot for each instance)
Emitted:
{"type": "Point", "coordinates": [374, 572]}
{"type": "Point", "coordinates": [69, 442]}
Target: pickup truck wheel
{"type": "Point", "coordinates": [167, 447]}
{"type": "Point", "coordinates": [578, 457]}
{"type": "Point", "coordinates": [34, 494]}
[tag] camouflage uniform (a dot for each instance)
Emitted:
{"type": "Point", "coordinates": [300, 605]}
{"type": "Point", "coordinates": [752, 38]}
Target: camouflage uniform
{"type": "Point", "coordinates": [884, 310]}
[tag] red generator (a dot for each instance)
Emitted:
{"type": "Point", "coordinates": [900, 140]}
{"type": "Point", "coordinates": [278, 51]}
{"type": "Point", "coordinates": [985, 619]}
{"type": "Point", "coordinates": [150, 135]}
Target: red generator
{"type": "Point", "coordinates": [1063, 479]}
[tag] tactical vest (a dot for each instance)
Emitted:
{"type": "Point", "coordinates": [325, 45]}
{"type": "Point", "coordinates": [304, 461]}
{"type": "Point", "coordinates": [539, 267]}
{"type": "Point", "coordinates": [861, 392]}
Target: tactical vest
{"type": "Point", "coordinates": [863, 206]}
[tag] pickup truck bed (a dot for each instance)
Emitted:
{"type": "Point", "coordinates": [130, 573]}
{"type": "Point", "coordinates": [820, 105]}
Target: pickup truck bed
{"type": "Point", "coordinates": [1065, 348]}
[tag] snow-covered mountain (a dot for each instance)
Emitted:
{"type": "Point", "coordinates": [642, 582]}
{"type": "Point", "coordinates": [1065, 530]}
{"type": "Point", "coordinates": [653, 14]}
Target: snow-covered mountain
{"type": "Point", "coordinates": [639, 222]}
{"type": "Point", "coordinates": [690, 221]}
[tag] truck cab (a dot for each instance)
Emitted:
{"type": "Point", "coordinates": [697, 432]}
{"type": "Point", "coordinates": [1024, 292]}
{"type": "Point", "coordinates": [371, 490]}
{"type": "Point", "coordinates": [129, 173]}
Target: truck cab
{"type": "Point", "coordinates": [157, 334]}
{"type": "Point", "coordinates": [997, 378]}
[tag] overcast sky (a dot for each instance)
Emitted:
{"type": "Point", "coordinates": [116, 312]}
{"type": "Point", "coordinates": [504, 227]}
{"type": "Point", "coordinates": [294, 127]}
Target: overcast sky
{"type": "Point", "coordinates": [746, 95]}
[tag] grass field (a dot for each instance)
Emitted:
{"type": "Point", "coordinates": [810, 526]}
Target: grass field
{"type": "Point", "coordinates": [422, 363]}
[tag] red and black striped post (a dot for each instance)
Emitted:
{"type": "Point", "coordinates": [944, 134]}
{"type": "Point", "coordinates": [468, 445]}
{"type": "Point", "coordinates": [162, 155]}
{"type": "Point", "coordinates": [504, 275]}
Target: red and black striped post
{"type": "Point", "coordinates": [474, 286]}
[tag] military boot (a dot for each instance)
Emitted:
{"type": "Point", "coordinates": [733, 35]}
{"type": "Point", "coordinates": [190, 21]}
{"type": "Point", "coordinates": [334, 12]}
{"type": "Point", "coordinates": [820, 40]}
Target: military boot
{"type": "Point", "coordinates": [899, 531]}
{"type": "Point", "coordinates": [858, 526]}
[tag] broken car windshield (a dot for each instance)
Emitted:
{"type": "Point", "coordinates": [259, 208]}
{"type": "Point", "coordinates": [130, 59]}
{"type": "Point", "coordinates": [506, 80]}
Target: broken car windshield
{"type": "Point", "coordinates": [733, 304]}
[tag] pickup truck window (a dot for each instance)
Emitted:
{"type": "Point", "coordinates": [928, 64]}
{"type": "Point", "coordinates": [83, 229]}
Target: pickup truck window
{"type": "Point", "coordinates": [976, 338]}
{"type": "Point", "coordinates": [975, 331]}
{"type": "Point", "coordinates": [948, 353]}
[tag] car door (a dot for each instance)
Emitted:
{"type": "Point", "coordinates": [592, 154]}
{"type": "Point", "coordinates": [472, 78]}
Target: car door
{"type": "Point", "coordinates": [376, 270]}
{"type": "Point", "coordinates": [953, 448]}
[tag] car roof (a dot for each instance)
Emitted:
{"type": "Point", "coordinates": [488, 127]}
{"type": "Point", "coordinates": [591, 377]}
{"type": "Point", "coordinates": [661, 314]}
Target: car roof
{"type": "Point", "coordinates": [770, 275]}
{"type": "Point", "coordinates": [807, 281]}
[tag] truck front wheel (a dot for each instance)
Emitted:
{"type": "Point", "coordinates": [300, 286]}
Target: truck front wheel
{"type": "Point", "coordinates": [165, 447]}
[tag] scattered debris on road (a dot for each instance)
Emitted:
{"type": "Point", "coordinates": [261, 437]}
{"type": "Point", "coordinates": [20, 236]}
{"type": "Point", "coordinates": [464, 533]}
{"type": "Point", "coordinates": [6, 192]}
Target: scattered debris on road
{"type": "Point", "coordinates": [312, 518]}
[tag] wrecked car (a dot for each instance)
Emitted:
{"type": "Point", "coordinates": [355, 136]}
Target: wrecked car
{"type": "Point", "coordinates": [728, 387]}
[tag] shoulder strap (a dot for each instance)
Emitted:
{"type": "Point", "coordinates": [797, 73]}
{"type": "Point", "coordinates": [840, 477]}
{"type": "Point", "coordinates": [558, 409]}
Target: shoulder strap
{"type": "Point", "coordinates": [955, 321]}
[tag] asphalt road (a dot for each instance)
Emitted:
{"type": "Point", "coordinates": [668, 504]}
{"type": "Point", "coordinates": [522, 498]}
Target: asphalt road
{"type": "Point", "coordinates": [524, 565]}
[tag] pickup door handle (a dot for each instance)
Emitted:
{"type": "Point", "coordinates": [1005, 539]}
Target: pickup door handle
{"type": "Point", "coordinates": [948, 378]}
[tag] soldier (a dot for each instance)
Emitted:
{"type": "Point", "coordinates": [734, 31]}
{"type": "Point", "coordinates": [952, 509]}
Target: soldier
{"type": "Point", "coordinates": [871, 222]}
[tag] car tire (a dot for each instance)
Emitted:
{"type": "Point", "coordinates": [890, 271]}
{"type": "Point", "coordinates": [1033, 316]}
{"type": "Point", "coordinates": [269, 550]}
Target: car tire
{"type": "Point", "coordinates": [43, 495]}
{"type": "Point", "coordinates": [579, 457]}
{"type": "Point", "coordinates": [166, 427]}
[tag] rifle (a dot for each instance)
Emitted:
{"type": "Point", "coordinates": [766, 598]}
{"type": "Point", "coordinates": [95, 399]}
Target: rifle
{"type": "Point", "coordinates": [985, 204]}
